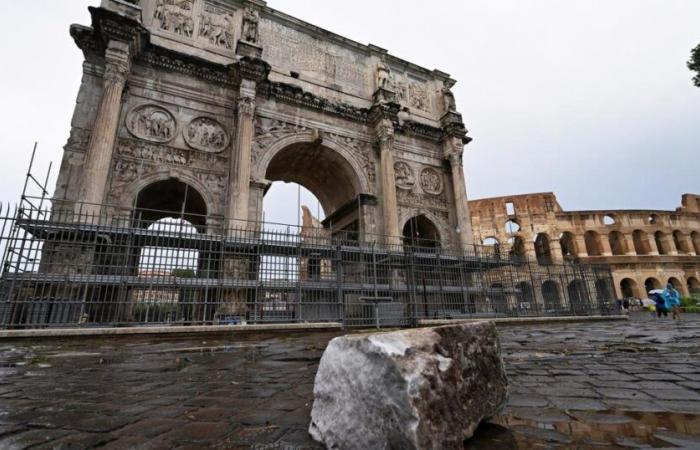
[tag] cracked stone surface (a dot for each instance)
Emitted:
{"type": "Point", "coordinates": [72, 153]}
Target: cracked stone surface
{"type": "Point", "coordinates": [412, 389]}
{"type": "Point", "coordinates": [257, 391]}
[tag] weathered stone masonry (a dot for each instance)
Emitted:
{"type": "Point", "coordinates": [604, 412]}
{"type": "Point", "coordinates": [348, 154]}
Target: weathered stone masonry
{"type": "Point", "coordinates": [646, 249]}
{"type": "Point", "coordinates": [227, 96]}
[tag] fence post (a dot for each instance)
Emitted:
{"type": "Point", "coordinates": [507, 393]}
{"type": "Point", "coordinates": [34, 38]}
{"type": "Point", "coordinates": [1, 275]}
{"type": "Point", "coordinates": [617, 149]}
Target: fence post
{"type": "Point", "coordinates": [411, 288]}
{"type": "Point", "coordinates": [339, 282]}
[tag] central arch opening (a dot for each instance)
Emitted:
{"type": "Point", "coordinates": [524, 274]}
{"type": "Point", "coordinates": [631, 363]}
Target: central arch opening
{"type": "Point", "coordinates": [324, 174]}
{"type": "Point", "coordinates": [315, 198]}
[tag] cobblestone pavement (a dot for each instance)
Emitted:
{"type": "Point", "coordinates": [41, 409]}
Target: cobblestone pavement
{"type": "Point", "coordinates": [600, 385]}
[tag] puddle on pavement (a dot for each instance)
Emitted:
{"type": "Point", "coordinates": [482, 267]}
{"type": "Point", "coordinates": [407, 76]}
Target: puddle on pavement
{"type": "Point", "coordinates": [579, 429]}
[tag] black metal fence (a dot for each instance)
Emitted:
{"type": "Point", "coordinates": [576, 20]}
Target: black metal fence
{"type": "Point", "coordinates": [65, 266]}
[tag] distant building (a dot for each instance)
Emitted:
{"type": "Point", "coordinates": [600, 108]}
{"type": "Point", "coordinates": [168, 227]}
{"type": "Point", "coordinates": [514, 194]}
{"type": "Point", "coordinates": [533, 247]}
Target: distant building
{"type": "Point", "coordinates": [646, 249]}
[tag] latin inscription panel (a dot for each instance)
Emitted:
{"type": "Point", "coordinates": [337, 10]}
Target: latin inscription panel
{"type": "Point", "coordinates": [288, 49]}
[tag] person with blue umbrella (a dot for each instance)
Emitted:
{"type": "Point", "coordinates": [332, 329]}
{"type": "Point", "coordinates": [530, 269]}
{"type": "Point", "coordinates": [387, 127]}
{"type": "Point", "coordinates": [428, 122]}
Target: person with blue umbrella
{"type": "Point", "coordinates": [657, 295]}
{"type": "Point", "coordinates": [673, 301]}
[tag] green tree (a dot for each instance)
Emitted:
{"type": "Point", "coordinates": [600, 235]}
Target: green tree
{"type": "Point", "coordinates": [694, 64]}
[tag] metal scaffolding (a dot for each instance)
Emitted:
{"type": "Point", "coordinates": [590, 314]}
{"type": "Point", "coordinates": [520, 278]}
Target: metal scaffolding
{"type": "Point", "coordinates": [64, 267]}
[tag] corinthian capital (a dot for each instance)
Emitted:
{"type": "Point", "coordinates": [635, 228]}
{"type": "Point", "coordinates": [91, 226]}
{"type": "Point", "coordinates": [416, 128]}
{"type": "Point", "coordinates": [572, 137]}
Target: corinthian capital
{"type": "Point", "coordinates": [117, 62]}
{"type": "Point", "coordinates": [246, 107]}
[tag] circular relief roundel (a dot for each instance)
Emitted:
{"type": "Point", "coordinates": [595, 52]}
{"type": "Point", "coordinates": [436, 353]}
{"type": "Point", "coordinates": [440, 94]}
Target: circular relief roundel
{"type": "Point", "coordinates": [151, 123]}
{"type": "Point", "coordinates": [431, 181]}
{"type": "Point", "coordinates": [207, 135]}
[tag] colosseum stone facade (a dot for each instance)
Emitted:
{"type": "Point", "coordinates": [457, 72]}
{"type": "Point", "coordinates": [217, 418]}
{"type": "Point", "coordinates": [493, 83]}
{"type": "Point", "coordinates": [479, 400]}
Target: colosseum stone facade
{"type": "Point", "coordinates": [644, 248]}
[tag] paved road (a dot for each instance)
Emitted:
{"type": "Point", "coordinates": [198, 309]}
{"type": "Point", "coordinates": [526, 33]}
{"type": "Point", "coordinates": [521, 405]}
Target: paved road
{"type": "Point", "coordinates": [603, 385]}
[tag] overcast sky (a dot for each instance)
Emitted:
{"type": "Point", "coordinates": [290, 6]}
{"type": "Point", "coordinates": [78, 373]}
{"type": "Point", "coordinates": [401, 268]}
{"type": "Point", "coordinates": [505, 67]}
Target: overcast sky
{"type": "Point", "coordinates": [590, 99]}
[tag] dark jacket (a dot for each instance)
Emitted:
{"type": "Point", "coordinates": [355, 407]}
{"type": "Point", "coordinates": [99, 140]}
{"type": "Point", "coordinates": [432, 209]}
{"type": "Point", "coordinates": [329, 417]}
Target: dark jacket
{"type": "Point", "coordinates": [659, 300]}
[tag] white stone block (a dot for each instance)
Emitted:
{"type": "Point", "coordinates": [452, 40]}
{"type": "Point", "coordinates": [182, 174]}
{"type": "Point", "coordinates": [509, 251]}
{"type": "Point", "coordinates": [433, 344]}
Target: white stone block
{"type": "Point", "coordinates": [415, 389]}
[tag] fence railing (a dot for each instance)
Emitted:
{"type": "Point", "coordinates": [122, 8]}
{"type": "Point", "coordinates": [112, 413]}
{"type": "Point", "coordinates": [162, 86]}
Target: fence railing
{"type": "Point", "coordinates": [64, 266]}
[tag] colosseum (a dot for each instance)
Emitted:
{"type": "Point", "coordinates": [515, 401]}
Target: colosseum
{"type": "Point", "coordinates": [644, 248]}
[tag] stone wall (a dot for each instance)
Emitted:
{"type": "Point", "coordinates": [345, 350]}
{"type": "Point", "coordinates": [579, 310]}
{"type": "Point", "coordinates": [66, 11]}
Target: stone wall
{"type": "Point", "coordinates": [645, 248]}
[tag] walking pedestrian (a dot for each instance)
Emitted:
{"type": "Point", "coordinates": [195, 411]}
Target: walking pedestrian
{"type": "Point", "coordinates": [660, 303]}
{"type": "Point", "coordinates": [673, 301]}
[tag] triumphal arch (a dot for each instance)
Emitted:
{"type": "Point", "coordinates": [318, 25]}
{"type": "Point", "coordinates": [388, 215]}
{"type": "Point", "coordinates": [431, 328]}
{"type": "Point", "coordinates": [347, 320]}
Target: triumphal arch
{"type": "Point", "coordinates": [188, 110]}
{"type": "Point", "coordinates": [222, 97]}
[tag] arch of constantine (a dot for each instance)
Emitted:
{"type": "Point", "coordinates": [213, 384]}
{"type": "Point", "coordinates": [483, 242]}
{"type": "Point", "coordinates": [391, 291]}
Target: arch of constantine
{"type": "Point", "coordinates": [645, 249]}
{"type": "Point", "coordinates": [229, 96]}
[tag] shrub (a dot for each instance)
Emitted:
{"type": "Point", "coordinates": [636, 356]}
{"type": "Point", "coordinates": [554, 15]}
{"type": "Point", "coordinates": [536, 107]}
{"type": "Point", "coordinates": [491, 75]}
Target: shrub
{"type": "Point", "coordinates": [687, 302]}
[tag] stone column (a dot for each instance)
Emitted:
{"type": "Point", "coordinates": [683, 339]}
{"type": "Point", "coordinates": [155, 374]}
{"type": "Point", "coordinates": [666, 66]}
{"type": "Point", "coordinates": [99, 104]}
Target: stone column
{"type": "Point", "coordinates": [556, 252]}
{"type": "Point", "coordinates": [530, 251]}
{"type": "Point", "coordinates": [605, 245]}
{"type": "Point", "coordinates": [686, 242]}
{"type": "Point", "coordinates": [581, 246]}
{"type": "Point", "coordinates": [257, 196]}
{"type": "Point", "coordinates": [653, 248]}
{"type": "Point", "coordinates": [390, 206]}
{"type": "Point", "coordinates": [670, 244]}
{"type": "Point", "coordinates": [455, 138]}
{"type": "Point", "coordinates": [629, 240]}
{"type": "Point", "coordinates": [104, 131]}
{"type": "Point", "coordinates": [459, 186]}
{"type": "Point", "coordinates": [239, 179]}
{"type": "Point", "coordinates": [249, 72]}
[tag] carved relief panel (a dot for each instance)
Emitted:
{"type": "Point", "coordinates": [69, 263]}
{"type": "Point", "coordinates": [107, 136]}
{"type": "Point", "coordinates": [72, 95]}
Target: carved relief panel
{"type": "Point", "coordinates": [405, 178]}
{"type": "Point", "coordinates": [158, 154]}
{"type": "Point", "coordinates": [431, 181]}
{"type": "Point", "coordinates": [194, 22]}
{"type": "Point", "coordinates": [418, 96]}
{"type": "Point", "coordinates": [216, 26]}
{"type": "Point", "coordinates": [175, 16]}
{"type": "Point", "coordinates": [409, 91]}
{"type": "Point", "coordinates": [420, 187]}
{"type": "Point", "coordinates": [151, 123]}
{"type": "Point", "coordinates": [170, 138]}
{"type": "Point", "coordinates": [207, 135]}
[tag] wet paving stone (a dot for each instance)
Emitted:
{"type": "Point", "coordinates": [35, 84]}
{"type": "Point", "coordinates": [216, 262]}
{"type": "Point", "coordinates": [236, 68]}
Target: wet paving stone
{"type": "Point", "coordinates": [595, 385]}
{"type": "Point", "coordinates": [578, 404]}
